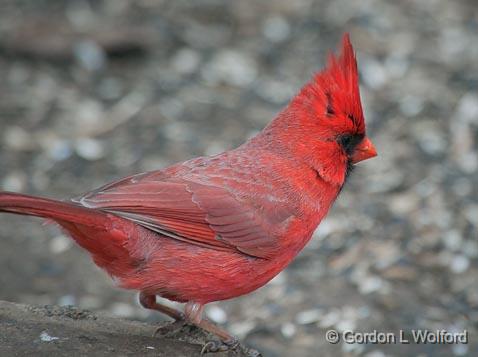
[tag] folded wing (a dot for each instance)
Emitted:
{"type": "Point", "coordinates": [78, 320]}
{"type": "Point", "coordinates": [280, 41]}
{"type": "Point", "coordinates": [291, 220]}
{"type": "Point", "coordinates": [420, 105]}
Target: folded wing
{"type": "Point", "coordinates": [196, 213]}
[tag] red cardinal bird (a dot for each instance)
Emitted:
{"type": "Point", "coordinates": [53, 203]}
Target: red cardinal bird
{"type": "Point", "coordinates": [213, 228]}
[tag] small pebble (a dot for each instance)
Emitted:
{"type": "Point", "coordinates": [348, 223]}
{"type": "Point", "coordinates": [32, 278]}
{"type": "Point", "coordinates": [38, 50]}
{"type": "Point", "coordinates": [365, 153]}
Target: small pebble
{"type": "Point", "coordinates": [404, 203]}
{"type": "Point", "coordinates": [375, 353]}
{"type": "Point", "coordinates": [87, 116]}
{"type": "Point", "coordinates": [60, 150]}
{"type": "Point", "coordinates": [471, 214]}
{"type": "Point", "coordinates": [45, 337]}
{"type": "Point", "coordinates": [433, 143]}
{"type": "Point", "coordinates": [470, 248]}
{"type": "Point", "coordinates": [232, 67]}
{"type": "Point", "coordinates": [89, 55]}
{"type": "Point", "coordinates": [396, 66]}
{"type": "Point", "coordinates": [330, 319]}
{"type": "Point", "coordinates": [60, 244]}
{"type": "Point", "coordinates": [352, 348]}
{"type": "Point", "coordinates": [275, 91]}
{"type": "Point", "coordinates": [288, 329]}
{"type": "Point", "coordinates": [411, 105]}
{"type": "Point", "coordinates": [460, 349]}
{"type": "Point", "coordinates": [363, 312]}
{"type": "Point", "coordinates": [370, 284]}
{"type": "Point", "coordinates": [344, 325]}
{"type": "Point", "coordinates": [374, 74]}
{"type": "Point", "coordinates": [469, 162]}
{"type": "Point", "coordinates": [308, 316]}
{"type": "Point", "coordinates": [18, 139]}
{"type": "Point", "coordinates": [14, 181]}
{"type": "Point", "coordinates": [467, 108]}
{"type": "Point", "coordinates": [276, 29]}
{"type": "Point", "coordinates": [453, 240]}
{"type": "Point", "coordinates": [186, 61]}
{"type": "Point", "coordinates": [217, 314]}
{"type": "Point", "coordinates": [89, 149]}
{"type": "Point", "coordinates": [459, 264]}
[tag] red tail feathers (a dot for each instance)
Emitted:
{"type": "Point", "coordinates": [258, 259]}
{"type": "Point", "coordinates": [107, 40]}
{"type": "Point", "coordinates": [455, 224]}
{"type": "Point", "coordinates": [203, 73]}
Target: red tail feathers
{"type": "Point", "coordinates": [102, 234]}
{"type": "Point", "coordinates": [47, 208]}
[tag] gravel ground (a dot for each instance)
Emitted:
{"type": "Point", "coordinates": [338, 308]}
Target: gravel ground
{"type": "Point", "coordinates": [94, 90]}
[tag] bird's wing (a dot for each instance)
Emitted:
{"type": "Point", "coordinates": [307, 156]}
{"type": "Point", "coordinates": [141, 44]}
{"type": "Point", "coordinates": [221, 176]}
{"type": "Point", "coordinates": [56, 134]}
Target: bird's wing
{"type": "Point", "coordinates": [195, 213]}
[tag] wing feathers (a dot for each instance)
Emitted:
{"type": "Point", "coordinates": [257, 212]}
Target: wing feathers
{"type": "Point", "coordinates": [199, 214]}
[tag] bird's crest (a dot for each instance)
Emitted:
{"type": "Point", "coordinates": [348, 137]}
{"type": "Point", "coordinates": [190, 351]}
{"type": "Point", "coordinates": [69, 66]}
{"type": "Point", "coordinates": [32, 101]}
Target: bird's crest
{"type": "Point", "coordinates": [334, 91]}
{"type": "Point", "coordinates": [339, 82]}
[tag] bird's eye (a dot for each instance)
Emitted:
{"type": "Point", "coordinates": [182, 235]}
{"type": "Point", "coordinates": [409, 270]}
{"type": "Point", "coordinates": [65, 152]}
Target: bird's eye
{"type": "Point", "coordinates": [329, 109]}
{"type": "Point", "coordinates": [349, 141]}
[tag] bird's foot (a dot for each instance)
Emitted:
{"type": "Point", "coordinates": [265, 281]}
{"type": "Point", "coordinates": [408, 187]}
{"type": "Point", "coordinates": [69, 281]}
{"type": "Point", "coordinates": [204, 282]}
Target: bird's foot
{"type": "Point", "coordinates": [220, 346]}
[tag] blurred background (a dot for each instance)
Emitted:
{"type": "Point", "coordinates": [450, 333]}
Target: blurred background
{"type": "Point", "coordinates": [91, 91]}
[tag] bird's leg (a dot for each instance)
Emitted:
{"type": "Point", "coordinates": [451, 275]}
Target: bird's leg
{"type": "Point", "coordinates": [193, 312]}
{"type": "Point", "coordinates": [148, 301]}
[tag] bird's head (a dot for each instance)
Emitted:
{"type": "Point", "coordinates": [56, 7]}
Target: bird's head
{"type": "Point", "coordinates": [324, 124]}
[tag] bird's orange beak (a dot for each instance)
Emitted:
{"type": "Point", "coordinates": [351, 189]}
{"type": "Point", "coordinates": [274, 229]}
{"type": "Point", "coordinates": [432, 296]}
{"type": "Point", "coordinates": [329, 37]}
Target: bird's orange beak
{"type": "Point", "coordinates": [363, 151]}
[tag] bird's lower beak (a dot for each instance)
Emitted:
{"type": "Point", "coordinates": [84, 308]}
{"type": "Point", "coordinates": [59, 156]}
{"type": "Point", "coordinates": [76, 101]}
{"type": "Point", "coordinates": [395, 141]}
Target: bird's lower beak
{"type": "Point", "coordinates": [363, 151]}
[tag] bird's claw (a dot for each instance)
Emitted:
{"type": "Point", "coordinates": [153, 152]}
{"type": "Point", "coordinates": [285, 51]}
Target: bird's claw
{"type": "Point", "coordinates": [232, 343]}
{"type": "Point", "coordinates": [220, 346]}
{"type": "Point", "coordinates": [214, 346]}
{"type": "Point", "coordinates": [169, 328]}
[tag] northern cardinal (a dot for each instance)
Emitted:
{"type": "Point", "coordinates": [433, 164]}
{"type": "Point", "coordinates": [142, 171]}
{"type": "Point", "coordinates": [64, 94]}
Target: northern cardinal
{"type": "Point", "coordinates": [213, 228]}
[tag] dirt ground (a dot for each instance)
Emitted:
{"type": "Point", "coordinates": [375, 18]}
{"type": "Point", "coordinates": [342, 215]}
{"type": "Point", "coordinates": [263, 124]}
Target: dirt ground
{"type": "Point", "coordinates": [94, 90]}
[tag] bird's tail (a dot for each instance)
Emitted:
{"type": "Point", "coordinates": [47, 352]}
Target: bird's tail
{"type": "Point", "coordinates": [101, 233]}
{"type": "Point", "coordinates": [51, 209]}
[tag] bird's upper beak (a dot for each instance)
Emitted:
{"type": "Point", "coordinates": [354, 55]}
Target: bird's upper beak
{"type": "Point", "coordinates": [363, 151]}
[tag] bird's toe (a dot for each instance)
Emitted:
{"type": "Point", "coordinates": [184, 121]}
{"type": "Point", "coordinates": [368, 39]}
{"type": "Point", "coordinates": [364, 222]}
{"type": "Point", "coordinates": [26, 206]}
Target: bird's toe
{"type": "Point", "coordinates": [219, 346]}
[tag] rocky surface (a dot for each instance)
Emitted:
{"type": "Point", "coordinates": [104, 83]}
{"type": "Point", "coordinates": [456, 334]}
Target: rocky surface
{"type": "Point", "coordinates": [94, 90]}
{"type": "Point", "coordinates": [68, 331]}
